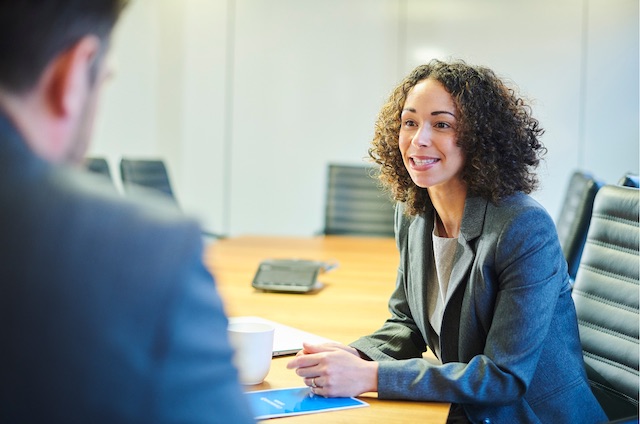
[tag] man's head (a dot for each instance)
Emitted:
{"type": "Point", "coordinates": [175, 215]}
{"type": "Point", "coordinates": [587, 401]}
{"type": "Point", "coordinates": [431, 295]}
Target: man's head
{"type": "Point", "coordinates": [51, 70]}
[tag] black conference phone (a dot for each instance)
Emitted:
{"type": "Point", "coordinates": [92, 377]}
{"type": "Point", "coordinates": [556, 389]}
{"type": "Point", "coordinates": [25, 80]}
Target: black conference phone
{"type": "Point", "coordinates": [289, 275]}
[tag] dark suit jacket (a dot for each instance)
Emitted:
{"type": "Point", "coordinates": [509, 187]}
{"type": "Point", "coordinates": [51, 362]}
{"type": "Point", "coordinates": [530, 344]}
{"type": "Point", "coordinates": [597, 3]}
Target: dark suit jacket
{"type": "Point", "coordinates": [107, 314]}
{"type": "Point", "coordinates": [509, 338]}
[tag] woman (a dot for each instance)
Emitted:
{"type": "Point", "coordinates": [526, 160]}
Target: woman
{"type": "Point", "coordinates": [482, 280]}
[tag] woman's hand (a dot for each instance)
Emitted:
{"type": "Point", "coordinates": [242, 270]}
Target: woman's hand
{"type": "Point", "coordinates": [315, 348]}
{"type": "Point", "coordinates": [335, 370]}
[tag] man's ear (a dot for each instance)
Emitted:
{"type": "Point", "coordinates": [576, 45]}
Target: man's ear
{"type": "Point", "coordinates": [70, 77]}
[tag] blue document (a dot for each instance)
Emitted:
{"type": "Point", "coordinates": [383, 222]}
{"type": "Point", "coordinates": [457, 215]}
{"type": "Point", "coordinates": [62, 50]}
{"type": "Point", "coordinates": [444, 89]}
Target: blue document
{"type": "Point", "coordinates": [295, 401]}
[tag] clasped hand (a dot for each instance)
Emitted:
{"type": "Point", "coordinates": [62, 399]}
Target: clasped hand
{"type": "Point", "coordinates": [335, 370]}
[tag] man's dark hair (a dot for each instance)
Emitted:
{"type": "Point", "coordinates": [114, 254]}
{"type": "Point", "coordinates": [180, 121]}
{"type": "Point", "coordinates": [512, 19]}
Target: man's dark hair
{"type": "Point", "coordinates": [32, 32]}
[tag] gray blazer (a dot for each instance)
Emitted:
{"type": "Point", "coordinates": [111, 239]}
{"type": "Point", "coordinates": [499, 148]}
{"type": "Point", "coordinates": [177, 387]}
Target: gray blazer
{"type": "Point", "coordinates": [509, 339]}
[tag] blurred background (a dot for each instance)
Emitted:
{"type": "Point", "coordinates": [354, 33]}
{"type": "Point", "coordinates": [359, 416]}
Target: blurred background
{"type": "Point", "coordinates": [247, 101]}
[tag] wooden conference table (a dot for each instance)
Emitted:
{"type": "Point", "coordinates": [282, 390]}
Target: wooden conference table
{"type": "Point", "coordinates": [352, 303]}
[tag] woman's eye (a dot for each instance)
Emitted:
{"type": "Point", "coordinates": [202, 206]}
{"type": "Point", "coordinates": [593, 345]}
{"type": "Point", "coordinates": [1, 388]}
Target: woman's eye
{"type": "Point", "coordinates": [443, 125]}
{"type": "Point", "coordinates": [409, 123]}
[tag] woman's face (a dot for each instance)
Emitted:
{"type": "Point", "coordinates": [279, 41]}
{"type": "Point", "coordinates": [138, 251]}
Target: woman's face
{"type": "Point", "coordinates": [427, 139]}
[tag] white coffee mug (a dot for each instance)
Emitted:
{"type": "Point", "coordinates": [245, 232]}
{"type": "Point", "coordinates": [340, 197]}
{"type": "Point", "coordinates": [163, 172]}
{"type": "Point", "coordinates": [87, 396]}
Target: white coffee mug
{"type": "Point", "coordinates": [253, 345]}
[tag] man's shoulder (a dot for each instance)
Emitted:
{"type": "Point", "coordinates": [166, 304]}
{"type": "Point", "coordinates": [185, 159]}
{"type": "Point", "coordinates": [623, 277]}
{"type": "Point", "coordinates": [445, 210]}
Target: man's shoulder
{"type": "Point", "coordinates": [77, 207]}
{"type": "Point", "coordinates": [81, 232]}
{"type": "Point", "coordinates": [86, 191]}
{"type": "Point", "coordinates": [149, 219]}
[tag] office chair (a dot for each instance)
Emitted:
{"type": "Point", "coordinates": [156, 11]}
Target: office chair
{"type": "Point", "coordinates": [355, 204]}
{"type": "Point", "coordinates": [630, 180]}
{"type": "Point", "coordinates": [573, 222]}
{"type": "Point", "coordinates": [98, 165]}
{"type": "Point", "coordinates": [150, 174]}
{"type": "Point", "coordinates": [606, 297]}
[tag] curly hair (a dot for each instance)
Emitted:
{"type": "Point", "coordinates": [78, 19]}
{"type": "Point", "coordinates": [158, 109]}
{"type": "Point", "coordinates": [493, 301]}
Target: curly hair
{"type": "Point", "coordinates": [495, 130]}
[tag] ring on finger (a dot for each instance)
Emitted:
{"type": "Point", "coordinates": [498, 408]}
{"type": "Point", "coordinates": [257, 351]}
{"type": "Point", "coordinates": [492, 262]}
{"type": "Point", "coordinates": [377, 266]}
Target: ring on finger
{"type": "Point", "coordinates": [313, 382]}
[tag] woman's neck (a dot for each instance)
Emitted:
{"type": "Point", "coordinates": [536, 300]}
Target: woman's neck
{"type": "Point", "coordinates": [449, 205]}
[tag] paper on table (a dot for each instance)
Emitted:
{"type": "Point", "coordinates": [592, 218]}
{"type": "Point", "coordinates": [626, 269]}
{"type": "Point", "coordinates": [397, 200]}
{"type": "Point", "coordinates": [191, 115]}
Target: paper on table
{"type": "Point", "coordinates": [286, 340]}
{"type": "Point", "coordinates": [295, 401]}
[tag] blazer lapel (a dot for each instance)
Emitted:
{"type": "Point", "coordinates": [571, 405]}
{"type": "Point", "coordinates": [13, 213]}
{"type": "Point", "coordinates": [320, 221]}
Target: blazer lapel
{"type": "Point", "coordinates": [471, 228]}
{"type": "Point", "coordinates": [422, 268]}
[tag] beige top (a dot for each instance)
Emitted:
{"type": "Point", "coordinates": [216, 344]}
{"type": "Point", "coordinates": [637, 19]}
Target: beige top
{"type": "Point", "coordinates": [444, 250]}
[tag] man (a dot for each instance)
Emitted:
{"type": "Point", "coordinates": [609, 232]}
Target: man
{"type": "Point", "coordinates": [107, 313]}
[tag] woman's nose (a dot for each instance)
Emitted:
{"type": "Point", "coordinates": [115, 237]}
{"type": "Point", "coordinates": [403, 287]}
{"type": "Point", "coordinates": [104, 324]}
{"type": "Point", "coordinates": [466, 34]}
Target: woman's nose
{"type": "Point", "coordinates": [422, 137]}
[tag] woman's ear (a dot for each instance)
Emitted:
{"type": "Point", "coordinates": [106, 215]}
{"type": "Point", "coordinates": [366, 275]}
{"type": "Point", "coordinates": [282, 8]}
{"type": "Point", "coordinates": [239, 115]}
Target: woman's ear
{"type": "Point", "coordinates": [70, 78]}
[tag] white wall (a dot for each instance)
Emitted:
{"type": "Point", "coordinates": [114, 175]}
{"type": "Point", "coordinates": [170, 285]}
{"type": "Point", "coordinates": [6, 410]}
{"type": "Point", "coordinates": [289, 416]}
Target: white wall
{"type": "Point", "coordinates": [248, 100]}
{"type": "Point", "coordinates": [127, 122]}
{"type": "Point", "coordinates": [309, 78]}
{"type": "Point", "coordinates": [609, 143]}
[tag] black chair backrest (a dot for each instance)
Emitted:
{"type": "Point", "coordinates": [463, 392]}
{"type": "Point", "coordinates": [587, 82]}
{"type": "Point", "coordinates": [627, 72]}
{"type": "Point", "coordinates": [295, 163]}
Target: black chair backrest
{"type": "Point", "coordinates": [573, 222]}
{"type": "Point", "coordinates": [355, 203]}
{"type": "Point", "coordinates": [630, 180]}
{"type": "Point", "coordinates": [151, 174]}
{"type": "Point", "coordinates": [146, 173]}
{"type": "Point", "coordinates": [98, 165]}
{"type": "Point", "coordinates": [606, 296]}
